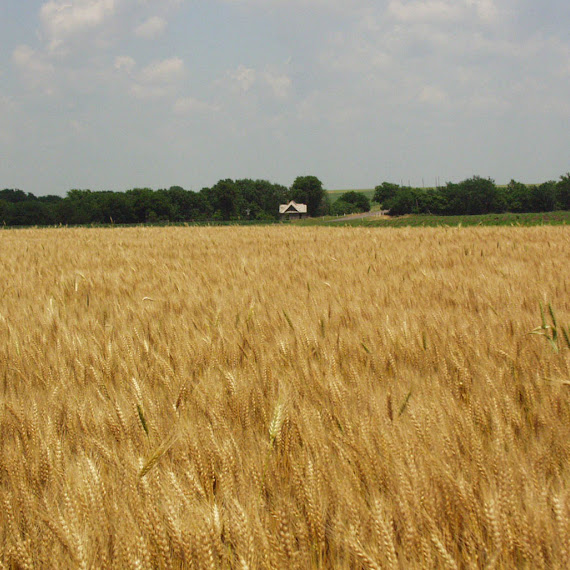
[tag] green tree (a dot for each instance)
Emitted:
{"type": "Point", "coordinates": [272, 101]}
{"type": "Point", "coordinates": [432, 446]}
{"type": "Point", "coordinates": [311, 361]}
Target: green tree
{"type": "Point", "coordinates": [430, 201]}
{"type": "Point", "coordinates": [187, 205]}
{"type": "Point", "coordinates": [543, 197]}
{"type": "Point", "coordinates": [309, 190]}
{"type": "Point", "coordinates": [78, 207]}
{"type": "Point", "coordinates": [474, 195]}
{"type": "Point", "coordinates": [405, 201]}
{"type": "Point", "coordinates": [563, 192]}
{"type": "Point", "coordinates": [517, 197]}
{"type": "Point", "coordinates": [114, 207]}
{"type": "Point", "coordinates": [223, 198]}
{"type": "Point", "coordinates": [50, 199]}
{"type": "Point", "coordinates": [260, 199]}
{"type": "Point", "coordinates": [385, 192]}
{"type": "Point", "coordinates": [28, 213]}
{"type": "Point", "coordinates": [148, 205]}
{"type": "Point", "coordinates": [480, 195]}
{"type": "Point", "coordinates": [341, 208]}
{"type": "Point", "coordinates": [359, 200]}
{"type": "Point", "coordinates": [13, 196]}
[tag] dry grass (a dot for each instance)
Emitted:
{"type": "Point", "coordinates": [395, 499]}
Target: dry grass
{"type": "Point", "coordinates": [283, 398]}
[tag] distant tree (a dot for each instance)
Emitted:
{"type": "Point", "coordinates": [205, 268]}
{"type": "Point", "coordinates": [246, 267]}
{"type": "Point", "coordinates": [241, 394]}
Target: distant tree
{"type": "Point", "coordinates": [480, 195]}
{"type": "Point", "coordinates": [474, 195]}
{"type": "Point", "coordinates": [13, 196]}
{"type": "Point", "coordinates": [223, 198]}
{"type": "Point", "coordinates": [272, 195]}
{"type": "Point", "coordinates": [163, 206]}
{"type": "Point", "coordinates": [141, 202]}
{"type": "Point", "coordinates": [259, 199]}
{"type": "Point", "coordinates": [404, 202]}
{"type": "Point", "coordinates": [148, 205]}
{"type": "Point", "coordinates": [563, 192]}
{"type": "Point", "coordinates": [4, 205]}
{"type": "Point", "coordinates": [385, 192]}
{"type": "Point", "coordinates": [50, 199]}
{"type": "Point", "coordinates": [430, 201]}
{"type": "Point", "coordinates": [543, 197]}
{"type": "Point", "coordinates": [204, 203]}
{"type": "Point", "coordinates": [517, 197]}
{"type": "Point", "coordinates": [359, 200]}
{"type": "Point", "coordinates": [114, 207]}
{"type": "Point", "coordinates": [309, 190]}
{"type": "Point", "coordinates": [341, 208]}
{"type": "Point", "coordinates": [28, 213]}
{"type": "Point", "coordinates": [78, 207]}
{"type": "Point", "coordinates": [187, 205]}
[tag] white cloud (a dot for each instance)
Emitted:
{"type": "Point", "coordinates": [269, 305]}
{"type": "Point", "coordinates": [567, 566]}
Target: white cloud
{"type": "Point", "coordinates": [188, 105]}
{"type": "Point", "coordinates": [35, 69]}
{"type": "Point", "coordinates": [150, 91]}
{"type": "Point", "coordinates": [152, 28]}
{"type": "Point", "coordinates": [486, 9]}
{"type": "Point", "coordinates": [62, 18]}
{"type": "Point", "coordinates": [280, 83]}
{"type": "Point", "coordinates": [155, 81]}
{"type": "Point", "coordinates": [243, 77]}
{"type": "Point", "coordinates": [29, 60]}
{"type": "Point", "coordinates": [125, 62]}
{"type": "Point", "coordinates": [441, 10]}
{"type": "Point", "coordinates": [337, 5]}
{"type": "Point", "coordinates": [7, 107]}
{"type": "Point", "coordinates": [433, 95]}
{"type": "Point", "coordinates": [487, 103]}
{"type": "Point", "coordinates": [363, 74]}
{"type": "Point", "coordinates": [78, 127]}
{"type": "Point", "coordinates": [165, 71]}
{"type": "Point", "coordinates": [355, 54]}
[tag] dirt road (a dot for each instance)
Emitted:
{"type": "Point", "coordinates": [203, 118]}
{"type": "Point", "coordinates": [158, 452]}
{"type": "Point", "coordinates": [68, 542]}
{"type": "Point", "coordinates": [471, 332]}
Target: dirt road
{"type": "Point", "coordinates": [377, 214]}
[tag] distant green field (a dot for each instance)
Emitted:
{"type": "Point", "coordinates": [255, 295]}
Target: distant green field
{"type": "Point", "coordinates": [509, 219]}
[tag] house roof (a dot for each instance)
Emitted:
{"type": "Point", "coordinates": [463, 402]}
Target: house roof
{"type": "Point", "coordinates": [292, 206]}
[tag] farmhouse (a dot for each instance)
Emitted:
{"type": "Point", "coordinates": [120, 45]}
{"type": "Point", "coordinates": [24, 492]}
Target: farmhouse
{"type": "Point", "coordinates": [293, 211]}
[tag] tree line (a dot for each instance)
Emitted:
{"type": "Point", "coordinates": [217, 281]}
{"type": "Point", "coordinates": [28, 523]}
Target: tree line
{"type": "Point", "coordinates": [227, 200]}
{"type": "Point", "coordinates": [475, 195]}
{"type": "Point", "coordinates": [259, 200]}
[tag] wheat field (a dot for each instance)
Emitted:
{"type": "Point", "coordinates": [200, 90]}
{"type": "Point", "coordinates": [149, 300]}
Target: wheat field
{"type": "Point", "coordinates": [284, 397]}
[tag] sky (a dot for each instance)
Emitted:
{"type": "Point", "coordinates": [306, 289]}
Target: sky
{"type": "Point", "coordinates": [117, 94]}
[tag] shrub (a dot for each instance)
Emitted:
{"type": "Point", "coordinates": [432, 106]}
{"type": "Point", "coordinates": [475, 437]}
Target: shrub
{"type": "Point", "coordinates": [341, 208]}
{"type": "Point", "coordinates": [358, 199]}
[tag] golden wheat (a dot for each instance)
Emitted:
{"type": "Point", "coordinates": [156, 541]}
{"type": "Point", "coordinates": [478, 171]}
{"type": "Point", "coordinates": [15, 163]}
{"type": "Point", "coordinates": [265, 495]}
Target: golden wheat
{"type": "Point", "coordinates": [283, 398]}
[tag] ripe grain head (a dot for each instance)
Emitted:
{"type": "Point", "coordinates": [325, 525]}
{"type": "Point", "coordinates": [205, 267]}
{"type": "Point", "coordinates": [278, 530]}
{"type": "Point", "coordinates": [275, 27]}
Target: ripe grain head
{"type": "Point", "coordinates": [270, 397]}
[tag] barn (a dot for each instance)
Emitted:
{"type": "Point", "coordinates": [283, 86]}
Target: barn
{"type": "Point", "coordinates": [293, 211]}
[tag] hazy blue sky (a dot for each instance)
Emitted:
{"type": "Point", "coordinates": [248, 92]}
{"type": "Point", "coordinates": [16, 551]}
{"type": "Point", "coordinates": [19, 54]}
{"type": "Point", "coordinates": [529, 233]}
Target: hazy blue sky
{"type": "Point", "coordinates": [113, 94]}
